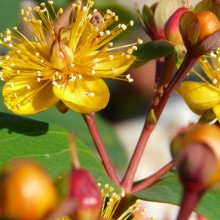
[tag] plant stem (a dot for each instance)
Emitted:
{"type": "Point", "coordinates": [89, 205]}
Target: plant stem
{"type": "Point", "coordinates": [189, 60]}
{"type": "Point", "coordinates": [153, 178]}
{"type": "Point", "coordinates": [158, 103]}
{"type": "Point", "coordinates": [189, 201]}
{"type": "Point", "coordinates": [127, 181]}
{"type": "Point", "coordinates": [91, 124]}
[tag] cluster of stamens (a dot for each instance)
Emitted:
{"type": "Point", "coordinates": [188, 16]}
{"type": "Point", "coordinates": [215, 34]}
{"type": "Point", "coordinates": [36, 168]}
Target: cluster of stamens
{"type": "Point", "coordinates": [111, 201]}
{"type": "Point", "coordinates": [210, 64]}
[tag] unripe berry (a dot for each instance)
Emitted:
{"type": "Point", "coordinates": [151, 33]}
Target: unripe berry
{"type": "Point", "coordinates": [171, 28]}
{"type": "Point", "coordinates": [26, 191]}
{"type": "Point", "coordinates": [209, 23]}
{"type": "Point", "coordinates": [88, 197]}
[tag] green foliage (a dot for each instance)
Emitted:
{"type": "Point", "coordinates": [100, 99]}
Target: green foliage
{"type": "Point", "coordinates": [46, 143]}
{"type": "Point", "coordinates": [152, 50]}
{"type": "Point", "coordinates": [168, 190]}
{"type": "Point", "coordinates": [10, 12]}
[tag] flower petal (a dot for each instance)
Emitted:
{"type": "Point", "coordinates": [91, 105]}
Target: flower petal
{"type": "Point", "coordinates": [199, 96]}
{"type": "Point", "coordinates": [84, 95]}
{"type": "Point", "coordinates": [113, 64]}
{"type": "Point", "coordinates": [25, 95]}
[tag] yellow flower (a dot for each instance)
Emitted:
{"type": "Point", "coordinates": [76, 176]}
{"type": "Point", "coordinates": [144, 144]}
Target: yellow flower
{"type": "Point", "coordinates": [63, 63]}
{"type": "Point", "coordinates": [205, 94]}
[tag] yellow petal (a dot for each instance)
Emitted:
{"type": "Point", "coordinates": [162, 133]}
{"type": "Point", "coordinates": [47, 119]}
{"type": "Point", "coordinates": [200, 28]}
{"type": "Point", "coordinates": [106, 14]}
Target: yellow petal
{"type": "Point", "coordinates": [84, 95]}
{"type": "Point", "coordinates": [24, 95]}
{"type": "Point", "coordinates": [113, 64]}
{"type": "Point", "coordinates": [199, 96]}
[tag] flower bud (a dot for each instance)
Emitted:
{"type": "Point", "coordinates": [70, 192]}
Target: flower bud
{"type": "Point", "coordinates": [209, 23]}
{"type": "Point", "coordinates": [61, 107]}
{"type": "Point", "coordinates": [171, 28]}
{"type": "Point", "coordinates": [26, 191]}
{"type": "Point", "coordinates": [86, 192]}
{"type": "Point", "coordinates": [197, 157]}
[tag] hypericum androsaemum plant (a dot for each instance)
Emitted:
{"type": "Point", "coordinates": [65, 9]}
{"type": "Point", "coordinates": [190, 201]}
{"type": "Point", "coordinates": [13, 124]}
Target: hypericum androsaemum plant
{"type": "Point", "coordinates": [65, 66]}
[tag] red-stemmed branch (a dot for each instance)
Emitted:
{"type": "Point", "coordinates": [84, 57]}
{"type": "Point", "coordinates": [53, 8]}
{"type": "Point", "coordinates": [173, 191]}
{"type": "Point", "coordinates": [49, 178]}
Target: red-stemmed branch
{"type": "Point", "coordinates": [91, 124]}
{"type": "Point", "coordinates": [153, 178]}
{"type": "Point", "coordinates": [156, 109]}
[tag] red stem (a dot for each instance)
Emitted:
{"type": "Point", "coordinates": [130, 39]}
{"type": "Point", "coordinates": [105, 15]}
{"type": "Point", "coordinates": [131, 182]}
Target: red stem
{"type": "Point", "coordinates": [189, 60]}
{"type": "Point", "coordinates": [127, 181]}
{"type": "Point", "coordinates": [153, 178]}
{"type": "Point", "coordinates": [189, 202]}
{"type": "Point", "coordinates": [91, 124]}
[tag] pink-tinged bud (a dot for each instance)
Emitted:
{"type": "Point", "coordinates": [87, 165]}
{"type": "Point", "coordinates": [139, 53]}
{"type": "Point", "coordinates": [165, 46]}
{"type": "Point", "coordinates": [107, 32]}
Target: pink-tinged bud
{"type": "Point", "coordinates": [201, 142]}
{"type": "Point", "coordinates": [86, 193]}
{"type": "Point", "coordinates": [196, 155]}
{"type": "Point", "coordinates": [171, 28]}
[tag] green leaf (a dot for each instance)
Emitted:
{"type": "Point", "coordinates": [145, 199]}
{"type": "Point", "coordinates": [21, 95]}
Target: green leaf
{"type": "Point", "coordinates": [169, 190]}
{"type": "Point", "coordinates": [152, 50]}
{"type": "Point", "coordinates": [9, 14]}
{"type": "Point", "coordinates": [46, 143]}
{"type": "Point", "coordinates": [148, 17]}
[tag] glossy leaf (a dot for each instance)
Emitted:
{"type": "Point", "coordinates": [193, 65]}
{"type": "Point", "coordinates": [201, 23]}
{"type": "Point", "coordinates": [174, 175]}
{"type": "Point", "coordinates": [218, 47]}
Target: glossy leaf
{"type": "Point", "coordinates": [152, 50]}
{"type": "Point", "coordinates": [46, 143]}
{"type": "Point", "coordinates": [168, 190]}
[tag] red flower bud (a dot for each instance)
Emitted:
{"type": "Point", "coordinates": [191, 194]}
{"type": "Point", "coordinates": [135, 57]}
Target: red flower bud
{"type": "Point", "coordinates": [171, 29]}
{"type": "Point", "coordinates": [88, 197]}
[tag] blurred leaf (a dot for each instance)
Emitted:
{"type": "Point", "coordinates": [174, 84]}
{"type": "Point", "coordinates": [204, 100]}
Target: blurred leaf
{"type": "Point", "coordinates": [169, 190]}
{"type": "Point", "coordinates": [9, 14]}
{"type": "Point", "coordinates": [46, 143]}
{"type": "Point", "coordinates": [148, 17]}
{"type": "Point", "coordinates": [57, 3]}
{"type": "Point", "coordinates": [152, 50]}
{"type": "Point", "coordinates": [73, 121]}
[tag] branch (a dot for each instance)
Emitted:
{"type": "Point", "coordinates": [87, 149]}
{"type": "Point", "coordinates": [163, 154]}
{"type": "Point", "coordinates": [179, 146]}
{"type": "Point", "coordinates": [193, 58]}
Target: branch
{"type": "Point", "coordinates": [153, 178]}
{"type": "Point", "coordinates": [91, 124]}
